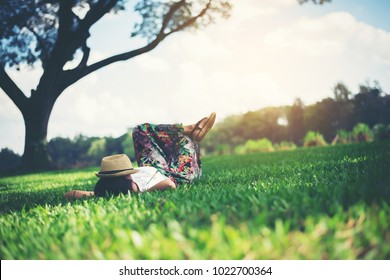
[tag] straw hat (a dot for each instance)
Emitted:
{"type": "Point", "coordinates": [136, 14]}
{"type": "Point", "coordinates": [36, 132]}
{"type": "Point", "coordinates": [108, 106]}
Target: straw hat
{"type": "Point", "coordinates": [116, 165]}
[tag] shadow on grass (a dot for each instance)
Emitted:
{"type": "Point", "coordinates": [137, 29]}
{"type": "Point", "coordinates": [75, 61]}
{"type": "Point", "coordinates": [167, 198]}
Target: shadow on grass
{"type": "Point", "coordinates": [17, 201]}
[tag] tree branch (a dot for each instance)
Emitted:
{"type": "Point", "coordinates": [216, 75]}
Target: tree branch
{"type": "Point", "coordinates": [12, 90]}
{"type": "Point", "coordinates": [42, 45]}
{"type": "Point", "coordinates": [169, 16]}
{"type": "Point", "coordinates": [79, 39]}
{"type": "Point", "coordinates": [72, 76]}
{"type": "Point", "coordinates": [96, 12]}
{"type": "Point", "coordinates": [190, 21]}
{"type": "Point", "coordinates": [60, 52]}
{"type": "Point", "coordinates": [84, 60]}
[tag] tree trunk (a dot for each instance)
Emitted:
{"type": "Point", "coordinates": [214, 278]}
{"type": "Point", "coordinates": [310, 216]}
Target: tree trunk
{"type": "Point", "coordinates": [36, 119]}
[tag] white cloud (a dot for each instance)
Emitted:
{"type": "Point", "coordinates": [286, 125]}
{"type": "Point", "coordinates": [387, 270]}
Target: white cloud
{"type": "Point", "coordinates": [239, 93]}
{"type": "Point", "coordinates": [320, 36]}
{"type": "Point", "coordinates": [333, 34]}
{"type": "Point", "coordinates": [225, 92]}
{"type": "Point", "coordinates": [94, 113]}
{"type": "Point", "coordinates": [151, 63]}
{"type": "Point", "coordinates": [251, 9]}
{"type": "Point", "coordinates": [198, 46]}
{"type": "Point", "coordinates": [374, 42]}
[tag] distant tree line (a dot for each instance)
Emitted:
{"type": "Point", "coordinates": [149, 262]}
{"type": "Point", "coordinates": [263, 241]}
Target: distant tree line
{"type": "Point", "coordinates": [338, 119]}
{"type": "Point", "coordinates": [289, 124]}
{"type": "Point", "coordinates": [81, 151]}
{"type": "Point", "coordinates": [86, 151]}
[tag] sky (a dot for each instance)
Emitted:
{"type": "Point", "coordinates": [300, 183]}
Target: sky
{"type": "Point", "coordinates": [268, 53]}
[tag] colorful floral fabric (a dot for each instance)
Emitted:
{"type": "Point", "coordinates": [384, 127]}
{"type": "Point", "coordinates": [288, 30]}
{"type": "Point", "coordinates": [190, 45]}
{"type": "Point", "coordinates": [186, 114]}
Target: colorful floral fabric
{"type": "Point", "coordinates": [165, 147]}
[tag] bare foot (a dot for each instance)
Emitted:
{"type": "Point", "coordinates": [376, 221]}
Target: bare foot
{"type": "Point", "coordinates": [188, 129]}
{"type": "Point", "coordinates": [202, 127]}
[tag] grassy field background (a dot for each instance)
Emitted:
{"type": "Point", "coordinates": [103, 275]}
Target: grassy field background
{"type": "Point", "coordinates": [317, 203]}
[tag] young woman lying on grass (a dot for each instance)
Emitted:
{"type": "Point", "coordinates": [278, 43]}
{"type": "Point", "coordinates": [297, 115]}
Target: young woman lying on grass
{"type": "Point", "coordinates": [167, 155]}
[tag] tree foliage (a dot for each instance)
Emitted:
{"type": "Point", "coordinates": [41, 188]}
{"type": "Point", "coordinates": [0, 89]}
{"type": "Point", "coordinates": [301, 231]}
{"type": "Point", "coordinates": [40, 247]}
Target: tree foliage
{"type": "Point", "coordinates": [9, 161]}
{"type": "Point", "coordinates": [313, 139]}
{"type": "Point", "coordinates": [30, 30]}
{"type": "Point", "coordinates": [185, 14]}
{"type": "Point", "coordinates": [362, 133]}
{"type": "Point", "coordinates": [295, 120]}
{"type": "Point", "coordinates": [36, 29]}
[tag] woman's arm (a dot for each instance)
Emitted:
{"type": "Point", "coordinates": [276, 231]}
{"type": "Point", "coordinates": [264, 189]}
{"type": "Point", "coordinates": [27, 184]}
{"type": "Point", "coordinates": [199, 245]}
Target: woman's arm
{"type": "Point", "coordinates": [163, 185]}
{"type": "Point", "coordinates": [78, 194]}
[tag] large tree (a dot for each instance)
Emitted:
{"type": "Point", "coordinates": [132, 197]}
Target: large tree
{"type": "Point", "coordinates": [48, 33]}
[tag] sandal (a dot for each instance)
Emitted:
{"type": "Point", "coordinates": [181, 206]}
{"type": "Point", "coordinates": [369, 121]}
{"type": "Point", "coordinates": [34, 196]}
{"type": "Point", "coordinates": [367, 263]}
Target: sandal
{"type": "Point", "coordinates": [202, 127]}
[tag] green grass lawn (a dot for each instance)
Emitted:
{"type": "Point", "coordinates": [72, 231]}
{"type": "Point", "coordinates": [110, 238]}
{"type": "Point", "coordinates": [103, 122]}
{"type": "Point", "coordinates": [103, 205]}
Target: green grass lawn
{"type": "Point", "coordinates": [317, 203]}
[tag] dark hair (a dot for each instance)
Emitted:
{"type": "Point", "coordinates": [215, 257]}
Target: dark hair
{"type": "Point", "coordinates": [113, 186]}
